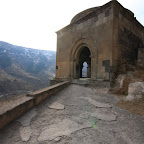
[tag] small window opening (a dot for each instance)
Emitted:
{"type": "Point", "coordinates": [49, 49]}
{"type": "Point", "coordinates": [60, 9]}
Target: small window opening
{"type": "Point", "coordinates": [84, 70]}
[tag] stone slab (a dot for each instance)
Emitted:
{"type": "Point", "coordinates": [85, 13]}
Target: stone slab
{"type": "Point", "coordinates": [25, 133]}
{"type": "Point", "coordinates": [96, 103]}
{"type": "Point", "coordinates": [26, 119]}
{"type": "Point", "coordinates": [62, 128]}
{"type": "Point", "coordinates": [104, 114]}
{"type": "Point", "coordinates": [56, 106]}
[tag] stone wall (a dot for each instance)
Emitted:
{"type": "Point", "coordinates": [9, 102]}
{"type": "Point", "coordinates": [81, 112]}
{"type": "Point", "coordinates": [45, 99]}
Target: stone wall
{"type": "Point", "coordinates": [95, 27]}
{"type": "Point", "coordinates": [128, 36]}
{"type": "Point", "coordinates": [140, 60]}
{"type": "Point", "coordinates": [113, 36]}
{"type": "Point", "coordinates": [35, 98]}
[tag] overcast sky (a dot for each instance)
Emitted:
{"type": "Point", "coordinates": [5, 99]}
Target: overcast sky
{"type": "Point", "coordinates": [33, 23]}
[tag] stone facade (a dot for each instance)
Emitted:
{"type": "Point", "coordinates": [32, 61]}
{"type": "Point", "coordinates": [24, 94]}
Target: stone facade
{"type": "Point", "coordinates": [104, 37]}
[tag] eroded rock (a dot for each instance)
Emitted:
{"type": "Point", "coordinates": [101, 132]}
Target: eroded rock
{"type": "Point", "coordinates": [57, 106]}
{"type": "Point", "coordinates": [62, 128]}
{"type": "Point", "coordinates": [25, 133]}
{"type": "Point", "coordinates": [135, 91]}
{"type": "Point", "coordinates": [57, 139]}
{"type": "Point", "coordinates": [120, 80]}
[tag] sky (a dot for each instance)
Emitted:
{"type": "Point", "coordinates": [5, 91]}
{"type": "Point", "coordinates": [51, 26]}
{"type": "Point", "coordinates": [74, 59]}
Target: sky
{"type": "Point", "coordinates": [33, 23]}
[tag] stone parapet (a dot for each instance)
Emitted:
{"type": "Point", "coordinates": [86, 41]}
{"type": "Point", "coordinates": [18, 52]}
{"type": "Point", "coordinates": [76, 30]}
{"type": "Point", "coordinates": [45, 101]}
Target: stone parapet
{"type": "Point", "coordinates": [58, 80]}
{"type": "Point", "coordinates": [99, 83]}
{"type": "Point", "coordinates": [34, 98]}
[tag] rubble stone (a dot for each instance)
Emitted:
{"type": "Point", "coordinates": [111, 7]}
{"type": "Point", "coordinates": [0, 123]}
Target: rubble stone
{"type": "Point", "coordinates": [135, 91]}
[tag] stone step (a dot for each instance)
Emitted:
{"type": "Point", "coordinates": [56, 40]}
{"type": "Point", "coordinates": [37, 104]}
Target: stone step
{"type": "Point", "coordinates": [89, 82]}
{"type": "Point", "coordinates": [81, 81]}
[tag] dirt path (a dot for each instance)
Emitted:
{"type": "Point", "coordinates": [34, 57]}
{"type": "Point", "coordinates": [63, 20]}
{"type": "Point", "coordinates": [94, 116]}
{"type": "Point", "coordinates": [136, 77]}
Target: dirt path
{"type": "Point", "coordinates": [76, 115]}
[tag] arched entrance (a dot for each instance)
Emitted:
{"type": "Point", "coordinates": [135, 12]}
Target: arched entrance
{"type": "Point", "coordinates": [84, 56]}
{"type": "Point", "coordinates": [83, 51]}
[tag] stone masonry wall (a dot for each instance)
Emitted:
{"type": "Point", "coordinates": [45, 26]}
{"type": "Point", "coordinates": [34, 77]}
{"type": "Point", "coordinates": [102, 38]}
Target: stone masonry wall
{"type": "Point", "coordinates": [140, 60]}
{"type": "Point", "coordinates": [128, 37]}
{"type": "Point", "coordinates": [96, 27]}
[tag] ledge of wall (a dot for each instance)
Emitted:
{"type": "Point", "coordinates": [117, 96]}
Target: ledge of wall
{"type": "Point", "coordinates": [35, 98]}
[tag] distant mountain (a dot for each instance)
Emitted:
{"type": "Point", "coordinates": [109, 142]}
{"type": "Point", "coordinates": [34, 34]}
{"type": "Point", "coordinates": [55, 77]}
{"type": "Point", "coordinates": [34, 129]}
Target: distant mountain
{"type": "Point", "coordinates": [24, 69]}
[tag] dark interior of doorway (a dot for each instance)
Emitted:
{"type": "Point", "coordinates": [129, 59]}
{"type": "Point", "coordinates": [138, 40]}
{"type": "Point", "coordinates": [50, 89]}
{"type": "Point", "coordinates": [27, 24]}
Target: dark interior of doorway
{"type": "Point", "coordinates": [85, 63]}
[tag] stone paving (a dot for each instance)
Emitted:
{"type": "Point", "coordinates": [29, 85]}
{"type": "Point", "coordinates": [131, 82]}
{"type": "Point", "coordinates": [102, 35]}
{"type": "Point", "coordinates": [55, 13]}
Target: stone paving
{"type": "Point", "coordinates": [76, 115]}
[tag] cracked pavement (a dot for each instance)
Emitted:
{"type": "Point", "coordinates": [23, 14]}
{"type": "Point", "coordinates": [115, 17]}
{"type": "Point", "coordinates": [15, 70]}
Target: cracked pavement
{"type": "Point", "coordinates": [76, 115]}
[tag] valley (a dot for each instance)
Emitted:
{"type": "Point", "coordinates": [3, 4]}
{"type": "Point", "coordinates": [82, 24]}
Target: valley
{"type": "Point", "coordinates": [24, 69]}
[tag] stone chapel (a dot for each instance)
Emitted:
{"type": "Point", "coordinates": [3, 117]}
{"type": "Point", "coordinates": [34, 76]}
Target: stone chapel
{"type": "Point", "coordinates": [104, 37]}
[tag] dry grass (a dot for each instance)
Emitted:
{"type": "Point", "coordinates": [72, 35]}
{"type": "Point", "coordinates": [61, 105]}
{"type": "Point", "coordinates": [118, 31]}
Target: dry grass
{"type": "Point", "coordinates": [136, 107]}
{"type": "Point", "coordinates": [139, 74]}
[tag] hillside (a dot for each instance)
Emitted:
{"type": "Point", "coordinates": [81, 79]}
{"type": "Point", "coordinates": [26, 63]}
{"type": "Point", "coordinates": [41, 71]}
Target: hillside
{"type": "Point", "coordinates": [24, 69]}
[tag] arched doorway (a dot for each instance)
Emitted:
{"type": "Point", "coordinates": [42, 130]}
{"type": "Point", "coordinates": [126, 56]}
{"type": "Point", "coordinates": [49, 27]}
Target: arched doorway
{"type": "Point", "coordinates": [84, 56]}
{"type": "Point", "coordinates": [88, 48]}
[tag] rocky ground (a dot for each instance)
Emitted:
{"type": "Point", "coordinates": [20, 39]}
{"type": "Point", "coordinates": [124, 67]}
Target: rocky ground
{"type": "Point", "coordinates": [76, 115]}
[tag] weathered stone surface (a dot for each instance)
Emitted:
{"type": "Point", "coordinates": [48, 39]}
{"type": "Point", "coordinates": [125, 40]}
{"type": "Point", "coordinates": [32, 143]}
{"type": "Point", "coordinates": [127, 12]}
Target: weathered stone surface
{"type": "Point", "coordinates": [104, 114]}
{"type": "Point", "coordinates": [101, 90]}
{"type": "Point", "coordinates": [25, 133]}
{"type": "Point", "coordinates": [57, 139]}
{"type": "Point", "coordinates": [97, 104]}
{"type": "Point", "coordinates": [135, 91]}
{"type": "Point", "coordinates": [101, 131]}
{"type": "Point", "coordinates": [62, 128]}
{"type": "Point", "coordinates": [57, 106]}
{"type": "Point", "coordinates": [101, 113]}
{"type": "Point", "coordinates": [26, 119]}
{"type": "Point", "coordinates": [119, 80]}
{"type": "Point", "coordinates": [126, 137]}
